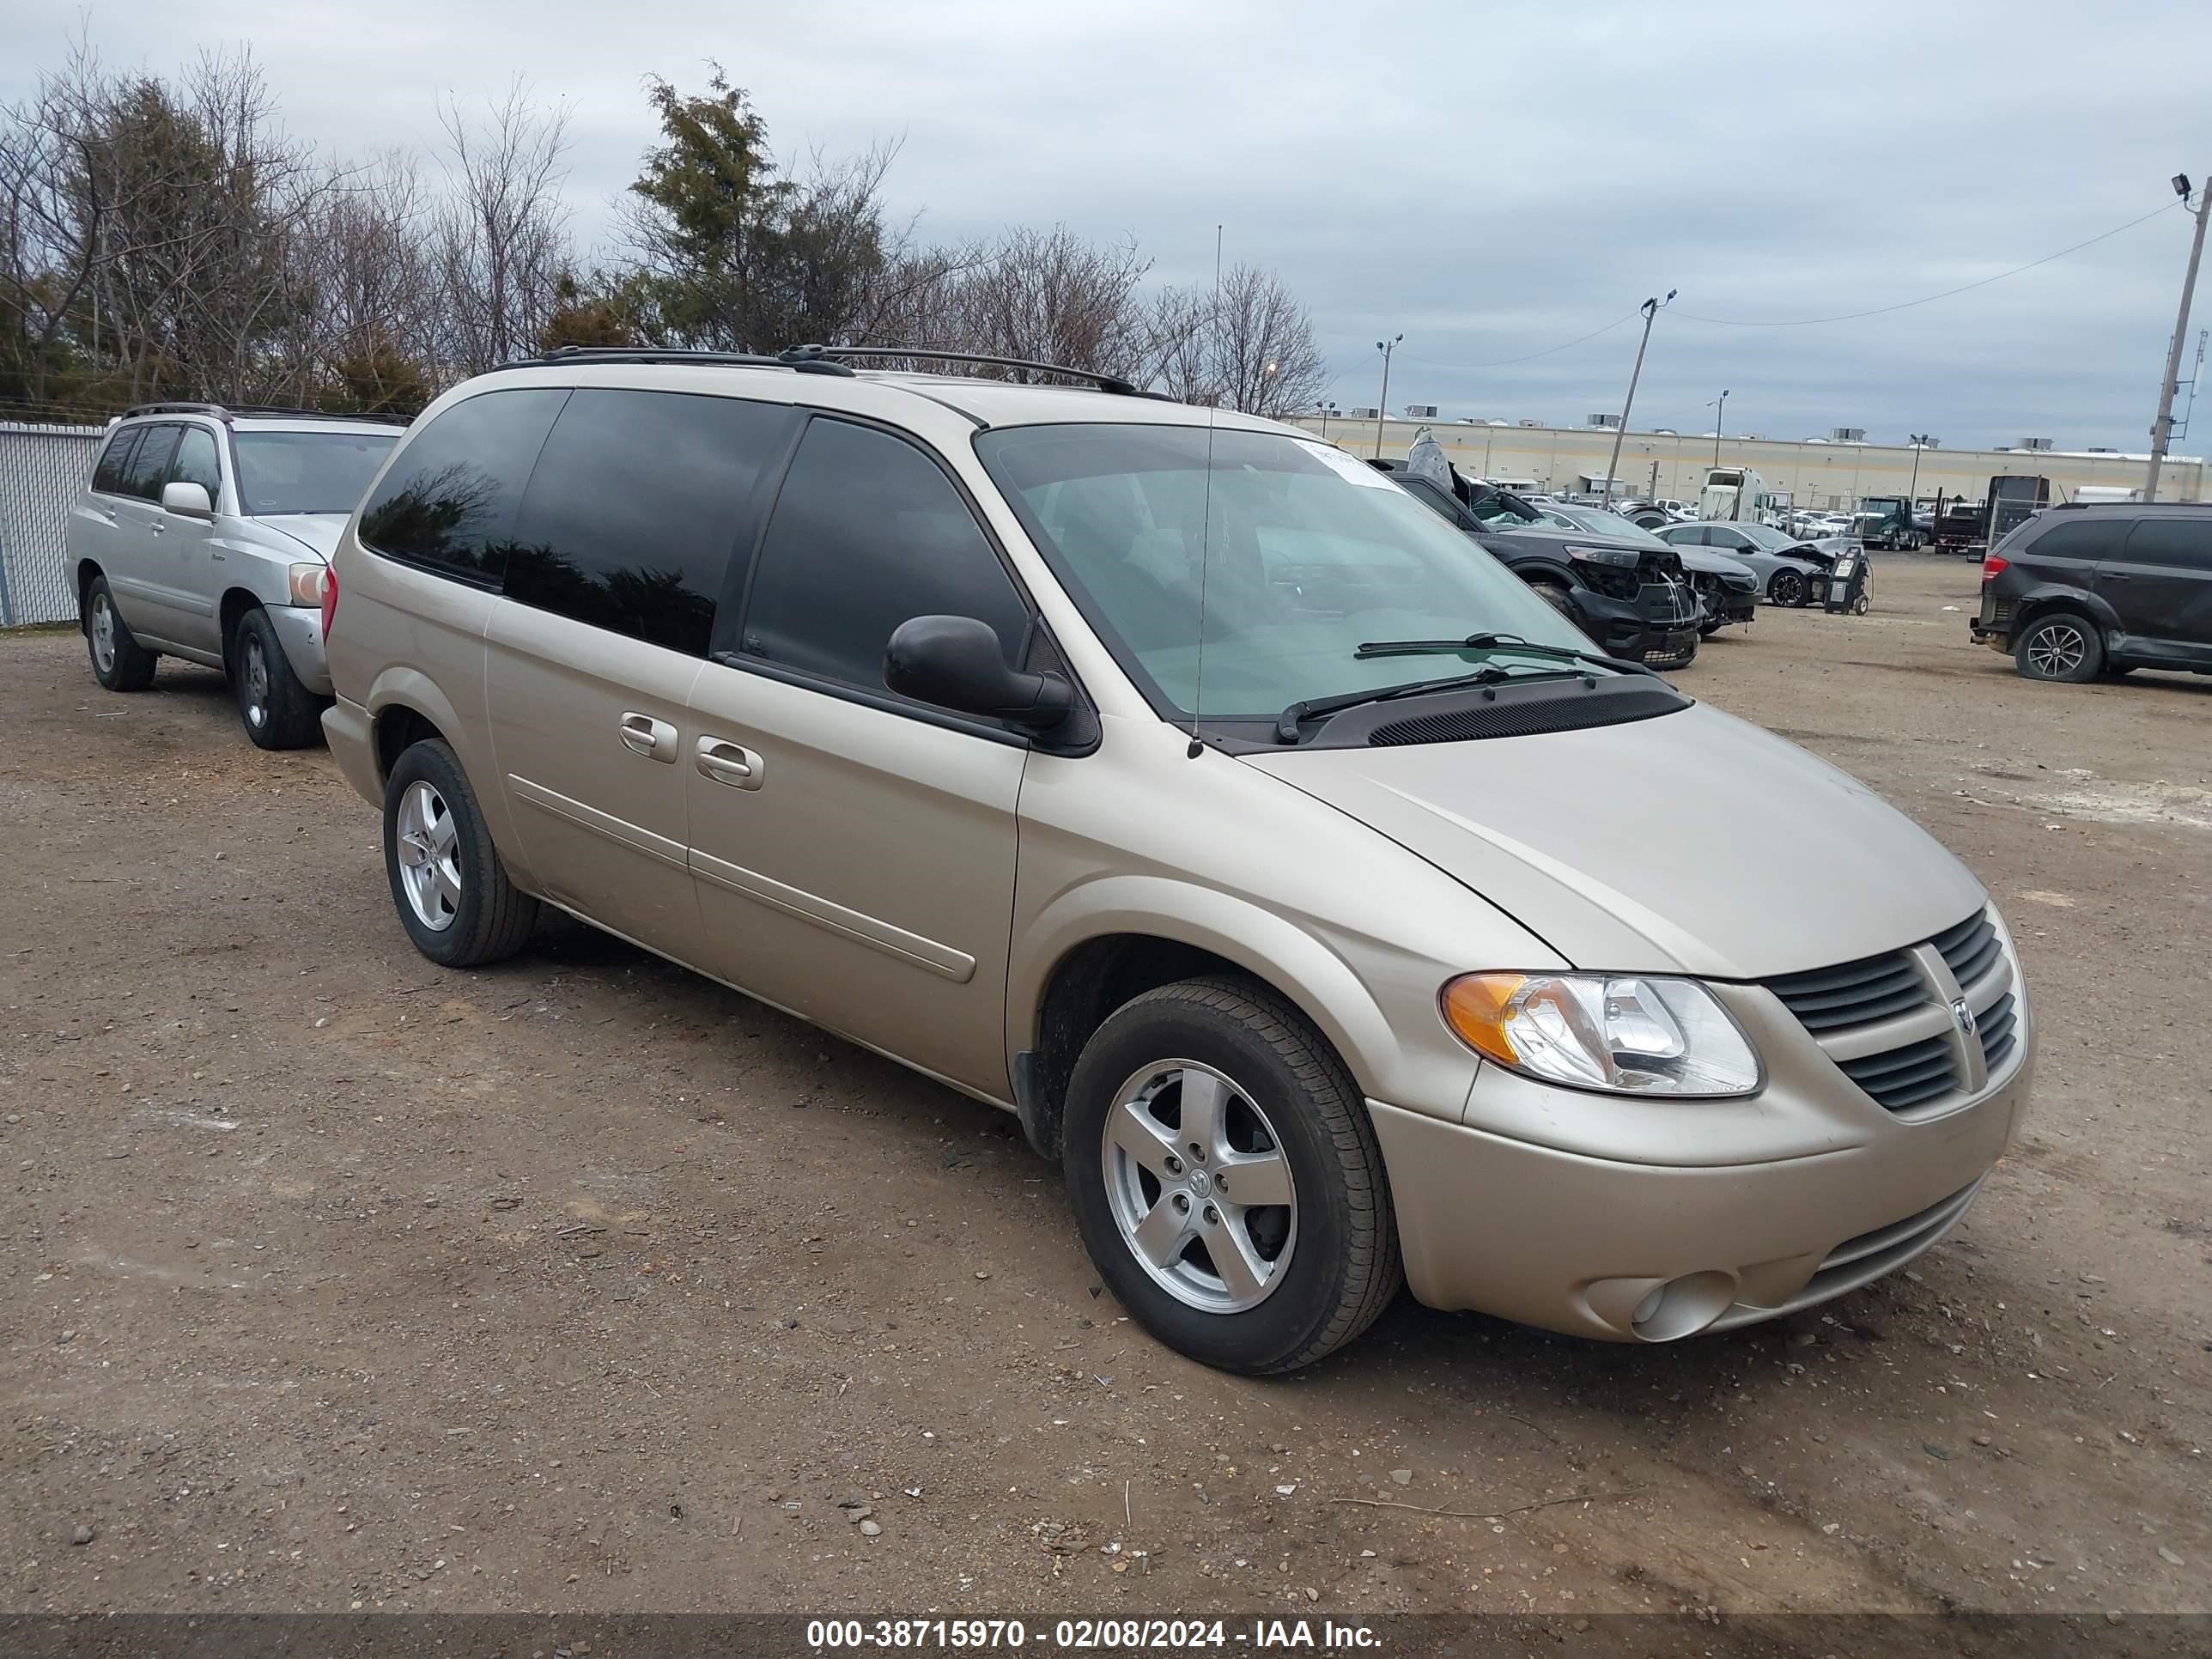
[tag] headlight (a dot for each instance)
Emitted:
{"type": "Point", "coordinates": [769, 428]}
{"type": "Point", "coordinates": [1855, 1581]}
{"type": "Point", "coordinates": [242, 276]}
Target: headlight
{"type": "Point", "coordinates": [1626, 557]}
{"type": "Point", "coordinates": [308, 583]}
{"type": "Point", "coordinates": [1616, 1033]}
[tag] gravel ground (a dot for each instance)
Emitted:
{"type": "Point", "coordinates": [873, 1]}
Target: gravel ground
{"type": "Point", "coordinates": [338, 1281]}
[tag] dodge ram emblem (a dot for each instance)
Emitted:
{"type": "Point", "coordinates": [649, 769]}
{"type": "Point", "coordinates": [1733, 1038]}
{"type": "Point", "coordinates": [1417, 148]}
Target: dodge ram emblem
{"type": "Point", "coordinates": [1964, 1015]}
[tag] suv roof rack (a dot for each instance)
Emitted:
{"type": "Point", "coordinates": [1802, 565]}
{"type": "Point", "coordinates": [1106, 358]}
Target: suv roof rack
{"type": "Point", "coordinates": [1112, 383]}
{"type": "Point", "coordinates": [227, 411]}
{"type": "Point", "coordinates": [2073, 507]}
{"type": "Point", "coordinates": [805, 365]}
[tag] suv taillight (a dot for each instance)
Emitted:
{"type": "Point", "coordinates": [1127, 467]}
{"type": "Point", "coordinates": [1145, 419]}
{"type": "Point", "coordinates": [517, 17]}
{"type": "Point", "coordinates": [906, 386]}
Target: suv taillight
{"type": "Point", "coordinates": [330, 598]}
{"type": "Point", "coordinates": [1992, 567]}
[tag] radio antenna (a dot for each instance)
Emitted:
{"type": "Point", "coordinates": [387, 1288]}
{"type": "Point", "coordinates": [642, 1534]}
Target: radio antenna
{"type": "Point", "coordinates": [1206, 525]}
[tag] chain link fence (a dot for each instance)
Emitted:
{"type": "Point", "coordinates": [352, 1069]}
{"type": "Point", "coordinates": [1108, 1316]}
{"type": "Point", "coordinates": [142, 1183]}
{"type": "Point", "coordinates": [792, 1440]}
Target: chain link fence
{"type": "Point", "coordinates": [43, 468]}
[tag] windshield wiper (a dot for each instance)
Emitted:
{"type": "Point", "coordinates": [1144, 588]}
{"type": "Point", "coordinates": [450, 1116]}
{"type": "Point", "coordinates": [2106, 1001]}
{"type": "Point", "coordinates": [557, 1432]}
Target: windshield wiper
{"type": "Point", "coordinates": [1491, 642]}
{"type": "Point", "coordinates": [1288, 722]}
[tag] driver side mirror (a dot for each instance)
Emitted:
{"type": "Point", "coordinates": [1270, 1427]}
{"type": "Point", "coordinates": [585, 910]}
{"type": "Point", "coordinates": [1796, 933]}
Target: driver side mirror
{"type": "Point", "coordinates": [186, 501]}
{"type": "Point", "coordinates": [957, 663]}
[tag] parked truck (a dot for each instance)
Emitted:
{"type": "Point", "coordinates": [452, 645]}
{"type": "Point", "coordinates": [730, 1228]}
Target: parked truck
{"type": "Point", "coordinates": [1885, 522]}
{"type": "Point", "coordinates": [2013, 498]}
{"type": "Point", "coordinates": [1736, 494]}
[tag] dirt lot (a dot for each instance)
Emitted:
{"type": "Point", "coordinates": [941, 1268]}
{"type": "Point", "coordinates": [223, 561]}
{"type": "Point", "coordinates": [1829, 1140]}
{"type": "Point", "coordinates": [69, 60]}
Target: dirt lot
{"type": "Point", "coordinates": [335, 1280]}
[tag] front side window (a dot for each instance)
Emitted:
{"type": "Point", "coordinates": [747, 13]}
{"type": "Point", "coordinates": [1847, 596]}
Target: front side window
{"type": "Point", "coordinates": [115, 461]}
{"type": "Point", "coordinates": [636, 504]}
{"type": "Point", "coordinates": [868, 532]}
{"type": "Point", "coordinates": [448, 501]}
{"type": "Point", "coordinates": [280, 472]}
{"type": "Point", "coordinates": [2181, 543]}
{"type": "Point", "coordinates": [149, 463]}
{"type": "Point", "coordinates": [196, 463]}
{"type": "Point", "coordinates": [1283, 555]}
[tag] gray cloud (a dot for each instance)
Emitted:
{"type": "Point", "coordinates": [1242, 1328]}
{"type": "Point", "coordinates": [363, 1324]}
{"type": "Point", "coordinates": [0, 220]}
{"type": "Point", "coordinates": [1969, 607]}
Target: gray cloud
{"type": "Point", "coordinates": [1492, 181]}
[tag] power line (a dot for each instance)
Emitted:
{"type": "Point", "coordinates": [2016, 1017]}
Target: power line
{"type": "Point", "coordinates": [1501, 362]}
{"type": "Point", "coordinates": [1907, 305]}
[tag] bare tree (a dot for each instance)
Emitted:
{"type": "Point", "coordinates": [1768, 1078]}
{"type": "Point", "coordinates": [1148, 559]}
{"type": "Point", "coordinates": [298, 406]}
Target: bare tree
{"type": "Point", "coordinates": [501, 239]}
{"type": "Point", "coordinates": [1052, 297]}
{"type": "Point", "coordinates": [1264, 359]}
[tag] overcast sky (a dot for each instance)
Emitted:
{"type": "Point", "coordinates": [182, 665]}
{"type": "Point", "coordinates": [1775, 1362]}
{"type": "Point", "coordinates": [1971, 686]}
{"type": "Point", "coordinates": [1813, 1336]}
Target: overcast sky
{"type": "Point", "coordinates": [1491, 179]}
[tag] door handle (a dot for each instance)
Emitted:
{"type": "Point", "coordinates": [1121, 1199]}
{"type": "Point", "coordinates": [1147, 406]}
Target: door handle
{"type": "Point", "coordinates": [157, 527]}
{"type": "Point", "coordinates": [653, 738]}
{"type": "Point", "coordinates": [731, 764]}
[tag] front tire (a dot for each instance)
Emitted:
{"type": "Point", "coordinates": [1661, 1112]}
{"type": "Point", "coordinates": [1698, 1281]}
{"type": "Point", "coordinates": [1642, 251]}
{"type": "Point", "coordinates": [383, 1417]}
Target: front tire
{"type": "Point", "coordinates": [1787, 587]}
{"type": "Point", "coordinates": [448, 882]}
{"type": "Point", "coordinates": [118, 661]}
{"type": "Point", "coordinates": [1226, 1179]}
{"type": "Point", "coordinates": [276, 710]}
{"type": "Point", "coordinates": [2059, 645]}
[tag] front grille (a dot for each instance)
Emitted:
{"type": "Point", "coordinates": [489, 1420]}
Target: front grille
{"type": "Point", "coordinates": [1924, 1060]}
{"type": "Point", "coordinates": [1971, 948]}
{"type": "Point", "coordinates": [2000, 1030]}
{"type": "Point", "coordinates": [1830, 999]}
{"type": "Point", "coordinates": [1901, 1077]}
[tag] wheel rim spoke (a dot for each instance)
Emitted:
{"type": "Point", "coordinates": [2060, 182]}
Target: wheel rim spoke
{"type": "Point", "coordinates": [1201, 1114]}
{"type": "Point", "coordinates": [1161, 1236]}
{"type": "Point", "coordinates": [1148, 1142]}
{"type": "Point", "coordinates": [1244, 1272]}
{"type": "Point", "coordinates": [1256, 1178]}
{"type": "Point", "coordinates": [448, 882]}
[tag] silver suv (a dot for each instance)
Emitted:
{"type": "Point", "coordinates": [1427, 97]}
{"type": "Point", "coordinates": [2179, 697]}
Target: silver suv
{"type": "Point", "coordinates": [1307, 885]}
{"type": "Point", "coordinates": [205, 534]}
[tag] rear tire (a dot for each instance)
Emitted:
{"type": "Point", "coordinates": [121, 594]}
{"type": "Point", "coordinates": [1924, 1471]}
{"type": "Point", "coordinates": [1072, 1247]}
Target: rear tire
{"type": "Point", "coordinates": [448, 882]}
{"type": "Point", "coordinates": [1318, 1264]}
{"type": "Point", "coordinates": [276, 710]}
{"type": "Point", "coordinates": [2059, 645]}
{"type": "Point", "coordinates": [1787, 587]}
{"type": "Point", "coordinates": [118, 661]}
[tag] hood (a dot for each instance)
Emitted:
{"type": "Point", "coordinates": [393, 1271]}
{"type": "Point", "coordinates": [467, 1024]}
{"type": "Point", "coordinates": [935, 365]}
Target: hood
{"type": "Point", "coordinates": [1712, 563]}
{"type": "Point", "coordinates": [318, 533]}
{"type": "Point", "coordinates": [1694, 843]}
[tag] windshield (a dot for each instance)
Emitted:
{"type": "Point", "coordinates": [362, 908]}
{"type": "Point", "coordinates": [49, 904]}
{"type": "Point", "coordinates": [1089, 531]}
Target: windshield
{"type": "Point", "coordinates": [1305, 554]}
{"type": "Point", "coordinates": [307, 471]}
{"type": "Point", "coordinates": [1773, 540]}
{"type": "Point", "coordinates": [1596, 521]}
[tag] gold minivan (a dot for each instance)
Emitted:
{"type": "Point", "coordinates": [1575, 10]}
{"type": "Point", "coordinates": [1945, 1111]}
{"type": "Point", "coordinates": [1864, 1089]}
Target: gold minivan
{"type": "Point", "coordinates": [1323, 901]}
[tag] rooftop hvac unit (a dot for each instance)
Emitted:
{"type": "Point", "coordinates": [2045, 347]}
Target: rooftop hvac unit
{"type": "Point", "coordinates": [2035, 443]}
{"type": "Point", "coordinates": [1535, 424]}
{"type": "Point", "coordinates": [1368, 414]}
{"type": "Point", "coordinates": [1605, 420]}
{"type": "Point", "coordinates": [1847, 434]}
{"type": "Point", "coordinates": [2100, 449]}
{"type": "Point", "coordinates": [1420, 411]}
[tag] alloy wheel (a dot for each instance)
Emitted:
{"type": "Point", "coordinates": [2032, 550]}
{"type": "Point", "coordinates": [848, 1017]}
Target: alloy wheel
{"type": "Point", "coordinates": [1200, 1186]}
{"type": "Point", "coordinates": [2057, 649]}
{"type": "Point", "coordinates": [257, 683]}
{"type": "Point", "coordinates": [103, 633]}
{"type": "Point", "coordinates": [428, 845]}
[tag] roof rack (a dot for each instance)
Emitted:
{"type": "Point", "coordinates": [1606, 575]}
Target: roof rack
{"type": "Point", "coordinates": [806, 365]}
{"type": "Point", "coordinates": [1112, 383]}
{"type": "Point", "coordinates": [228, 412]}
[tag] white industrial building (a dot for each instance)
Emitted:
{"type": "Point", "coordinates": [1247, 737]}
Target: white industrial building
{"type": "Point", "coordinates": [1834, 471]}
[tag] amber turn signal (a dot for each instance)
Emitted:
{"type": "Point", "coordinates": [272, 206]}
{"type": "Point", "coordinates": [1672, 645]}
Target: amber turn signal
{"type": "Point", "coordinates": [1474, 1007]}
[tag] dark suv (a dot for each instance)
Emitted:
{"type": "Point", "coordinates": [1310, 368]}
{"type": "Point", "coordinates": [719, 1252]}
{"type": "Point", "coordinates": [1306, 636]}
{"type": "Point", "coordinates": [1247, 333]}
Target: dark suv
{"type": "Point", "coordinates": [2080, 591]}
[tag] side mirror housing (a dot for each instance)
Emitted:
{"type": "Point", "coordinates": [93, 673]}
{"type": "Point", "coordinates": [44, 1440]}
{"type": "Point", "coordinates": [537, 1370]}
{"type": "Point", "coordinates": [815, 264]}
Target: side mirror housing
{"type": "Point", "coordinates": [187, 501]}
{"type": "Point", "coordinates": [957, 663]}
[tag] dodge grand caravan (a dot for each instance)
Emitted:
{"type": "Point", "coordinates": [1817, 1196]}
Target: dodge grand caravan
{"type": "Point", "coordinates": [1303, 881]}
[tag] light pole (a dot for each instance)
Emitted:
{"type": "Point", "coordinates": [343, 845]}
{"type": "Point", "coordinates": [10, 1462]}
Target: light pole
{"type": "Point", "coordinates": [1650, 309]}
{"type": "Point", "coordinates": [1920, 440]}
{"type": "Point", "coordinates": [2162, 429]}
{"type": "Point", "coordinates": [1327, 408]}
{"type": "Point", "coordinates": [1383, 408]}
{"type": "Point", "coordinates": [1719, 403]}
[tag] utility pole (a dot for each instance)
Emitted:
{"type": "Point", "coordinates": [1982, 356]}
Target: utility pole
{"type": "Point", "coordinates": [1920, 440]}
{"type": "Point", "coordinates": [1383, 408]}
{"type": "Point", "coordinates": [1650, 309]}
{"type": "Point", "coordinates": [1720, 404]}
{"type": "Point", "coordinates": [2160, 428]}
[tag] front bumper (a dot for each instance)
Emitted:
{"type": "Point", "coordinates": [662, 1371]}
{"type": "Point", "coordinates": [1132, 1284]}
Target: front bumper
{"type": "Point", "coordinates": [1661, 632]}
{"type": "Point", "coordinates": [300, 629]}
{"type": "Point", "coordinates": [1578, 1243]}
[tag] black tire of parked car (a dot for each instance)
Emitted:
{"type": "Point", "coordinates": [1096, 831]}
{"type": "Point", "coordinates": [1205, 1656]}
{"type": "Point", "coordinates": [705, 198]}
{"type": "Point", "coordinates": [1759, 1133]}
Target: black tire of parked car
{"type": "Point", "coordinates": [1344, 1267]}
{"type": "Point", "coordinates": [1559, 596]}
{"type": "Point", "coordinates": [276, 710]}
{"type": "Point", "coordinates": [494, 918]}
{"type": "Point", "coordinates": [130, 665]}
{"type": "Point", "coordinates": [2059, 645]}
{"type": "Point", "coordinates": [1787, 587]}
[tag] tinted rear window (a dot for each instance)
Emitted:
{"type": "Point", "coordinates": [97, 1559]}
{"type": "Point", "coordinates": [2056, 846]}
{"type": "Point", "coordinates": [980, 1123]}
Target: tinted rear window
{"type": "Point", "coordinates": [637, 503]}
{"type": "Point", "coordinates": [149, 463]}
{"type": "Point", "coordinates": [115, 461]}
{"type": "Point", "coordinates": [449, 500]}
{"type": "Point", "coordinates": [2185, 542]}
{"type": "Point", "coordinates": [2079, 538]}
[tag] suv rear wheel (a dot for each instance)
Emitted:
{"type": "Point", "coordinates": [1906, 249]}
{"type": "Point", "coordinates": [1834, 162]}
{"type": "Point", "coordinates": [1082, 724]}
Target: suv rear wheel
{"type": "Point", "coordinates": [2059, 645]}
{"type": "Point", "coordinates": [1226, 1179]}
{"type": "Point", "coordinates": [118, 661]}
{"type": "Point", "coordinates": [449, 883]}
{"type": "Point", "coordinates": [279, 712]}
